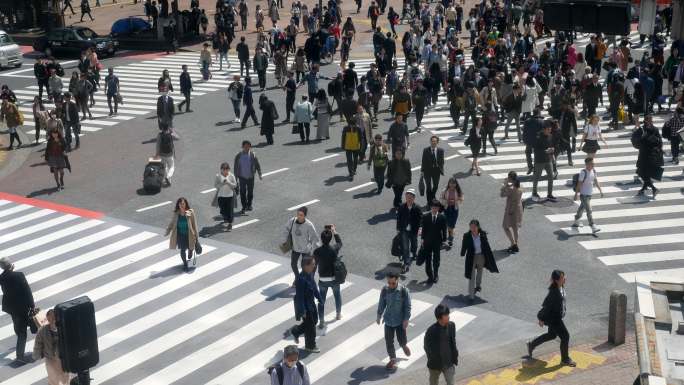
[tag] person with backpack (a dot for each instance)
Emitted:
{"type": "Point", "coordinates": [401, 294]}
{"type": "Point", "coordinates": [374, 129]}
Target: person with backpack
{"type": "Point", "coordinates": [440, 347]}
{"type": "Point", "coordinates": [551, 315]}
{"type": "Point", "coordinates": [290, 371]}
{"type": "Point", "coordinates": [327, 258]}
{"type": "Point", "coordinates": [165, 150]}
{"type": "Point", "coordinates": [378, 157]}
{"type": "Point", "coordinates": [394, 309]}
{"type": "Point", "coordinates": [583, 184]}
{"type": "Point", "coordinates": [10, 113]}
{"type": "Point", "coordinates": [235, 93]}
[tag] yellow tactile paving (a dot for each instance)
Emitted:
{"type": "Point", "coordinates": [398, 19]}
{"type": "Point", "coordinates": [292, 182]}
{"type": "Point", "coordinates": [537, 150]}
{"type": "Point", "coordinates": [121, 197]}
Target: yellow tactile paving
{"type": "Point", "coordinates": [533, 371]}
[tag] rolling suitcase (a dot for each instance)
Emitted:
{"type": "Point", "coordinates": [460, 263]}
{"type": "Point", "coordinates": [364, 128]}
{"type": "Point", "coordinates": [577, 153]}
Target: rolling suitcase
{"type": "Point", "coordinates": [153, 176]}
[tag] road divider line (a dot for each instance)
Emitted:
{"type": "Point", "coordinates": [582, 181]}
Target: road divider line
{"type": "Point", "coordinates": [208, 191]}
{"type": "Point", "coordinates": [450, 157]}
{"type": "Point", "coordinates": [325, 157]}
{"type": "Point", "coordinates": [274, 171]}
{"type": "Point", "coordinates": [359, 186]}
{"type": "Point", "coordinates": [303, 204]}
{"type": "Point", "coordinates": [245, 223]}
{"type": "Point", "coordinates": [153, 206]}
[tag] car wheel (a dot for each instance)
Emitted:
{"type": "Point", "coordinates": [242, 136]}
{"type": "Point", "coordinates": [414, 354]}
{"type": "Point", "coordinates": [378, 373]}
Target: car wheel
{"type": "Point", "coordinates": [18, 65]}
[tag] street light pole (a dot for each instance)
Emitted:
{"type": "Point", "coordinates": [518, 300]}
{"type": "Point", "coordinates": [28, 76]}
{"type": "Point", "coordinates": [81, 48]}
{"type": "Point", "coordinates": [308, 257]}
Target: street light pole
{"type": "Point", "coordinates": [320, 13]}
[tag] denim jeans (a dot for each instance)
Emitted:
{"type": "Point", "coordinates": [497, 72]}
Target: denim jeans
{"type": "Point", "coordinates": [236, 107]}
{"type": "Point", "coordinates": [407, 238]}
{"type": "Point", "coordinates": [323, 288]}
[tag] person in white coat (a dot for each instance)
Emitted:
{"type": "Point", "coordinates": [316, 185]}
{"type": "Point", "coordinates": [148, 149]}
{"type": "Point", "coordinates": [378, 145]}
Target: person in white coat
{"type": "Point", "coordinates": [224, 198]}
{"type": "Point", "coordinates": [303, 115]}
{"type": "Point", "coordinates": [532, 90]}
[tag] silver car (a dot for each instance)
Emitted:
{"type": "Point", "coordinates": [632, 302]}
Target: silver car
{"type": "Point", "coordinates": [10, 54]}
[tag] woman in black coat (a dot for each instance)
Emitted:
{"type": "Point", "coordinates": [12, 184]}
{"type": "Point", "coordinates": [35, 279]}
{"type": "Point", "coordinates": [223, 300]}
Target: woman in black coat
{"type": "Point", "coordinates": [650, 161]}
{"type": "Point", "coordinates": [551, 315]}
{"type": "Point", "coordinates": [268, 117]}
{"type": "Point", "coordinates": [475, 247]}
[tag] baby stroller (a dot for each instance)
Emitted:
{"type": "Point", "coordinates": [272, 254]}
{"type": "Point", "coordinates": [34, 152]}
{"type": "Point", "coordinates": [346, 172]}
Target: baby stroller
{"type": "Point", "coordinates": [153, 176]}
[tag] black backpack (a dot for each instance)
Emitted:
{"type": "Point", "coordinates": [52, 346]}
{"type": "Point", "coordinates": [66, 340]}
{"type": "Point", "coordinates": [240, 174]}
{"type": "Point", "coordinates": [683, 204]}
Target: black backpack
{"type": "Point", "coordinates": [279, 371]}
{"type": "Point", "coordinates": [166, 144]}
{"type": "Point", "coordinates": [575, 180]}
{"type": "Point", "coordinates": [340, 270]}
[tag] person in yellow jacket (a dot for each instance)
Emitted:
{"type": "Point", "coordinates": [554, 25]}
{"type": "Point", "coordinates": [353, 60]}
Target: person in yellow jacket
{"type": "Point", "coordinates": [351, 143]}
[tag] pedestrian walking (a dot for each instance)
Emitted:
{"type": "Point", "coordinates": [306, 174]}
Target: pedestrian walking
{"type": "Point", "coordinates": [185, 88]}
{"type": "Point", "coordinates": [531, 131]}
{"type": "Point", "coordinates": [409, 218]}
{"type": "Point", "coordinates": [82, 94]}
{"type": "Point", "coordinates": [205, 62]}
{"type": "Point", "coordinates": [165, 110]}
{"type": "Point", "coordinates": [398, 176]}
{"type": "Point", "coordinates": [671, 132]}
{"type": "Point", "coordinates": [242, 50]}
{"type": "Point", "coordinates": [398, 135]}
{"type": "Point", "coordinates": [433, 232]}
{"type": "Point", "coordinates": [69, 122]}
{"type": "Point", "coordinates": [224, 197]}
{"type": "Point", "coordinates": [474, 141]}
{"type": "Point", "coordinates": [13, 118]}
{"type": "Point", "coordinates": [512, 105]}
{"type": "Point", "coordinates": [378, 157]}
{"type": "Point", "coordinates": [235, 93]}
{"type": "Point", "coordinates": [46, 345]}
{"type": "Point", "coordinates": [306, 295]}
{"type": "Point", "coordinates": [55, 85]}
{"type": "Point", "coordinates": [223, 48]}
{"type": "Point", "coordinates": [183, 231]}
{"type": "Point", "coordinates": [551, 315]}
{"type": "Point", "coordinates": [322, 113]}
{"type": "Point", "coordinates": [290, 371]}
{"type": "Point", "coordinates": [260, 63]}
{"type": "Point", "coordinates": [363, 121]}
{"type": "Point", "coordinates": [246, 166]}
{"type": "Point", "coordinates": [42, 75]}
{"type": "Point", "coordinates": [248, 101]}
{"type": "Point", "coordinates": [478, 256]}
{"type": "Point", "coordinates": [440, 348]}
{"type": "Point", "coordinates": [301, 234]}
{"type": "Point", "coordinates": [166, 151]}
{"type": "Point", "coordinates": [650, 159]}
{"type": "Point", "coordinates": [351, 144]}
{"type": "Point", "coordinates": [304, 112]}
{"type": "Point", "coordinates": [591, 136]}
{"type": "Point", "coordinates": [85, 10]}
{"type": "Point", "coordinates": [543, 162]}
{"type": "Point", "coordinates": [586, 180]}
{"type": "Point", "coordinates": [112, 91]}
{"type": "Point", "coordinates": [67, 4]}
{"type": "Point", "coordinates": [54, 123]}
{"type": "Point", "coordinates": [450, 199]}
{"type": "Point", "coordinates": [40, 116]}
{"type": "Point", "coordinates": [394, 310]}
{"type": "Point", "coordinates": [432, 167]}
{"type": "Point", "coordinates": [17, 301]}
{"type": "Point", "coordinates": [513, 209]}
{"type": "Point", "coordinates": [269, 116]}
{"type": "Point", "coordinates": [326, 257]}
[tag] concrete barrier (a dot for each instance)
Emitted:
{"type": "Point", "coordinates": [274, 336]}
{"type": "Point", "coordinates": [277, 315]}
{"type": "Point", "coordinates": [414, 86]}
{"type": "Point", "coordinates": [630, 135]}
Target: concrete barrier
{"type": "Point", "coordinates": [617, 318]}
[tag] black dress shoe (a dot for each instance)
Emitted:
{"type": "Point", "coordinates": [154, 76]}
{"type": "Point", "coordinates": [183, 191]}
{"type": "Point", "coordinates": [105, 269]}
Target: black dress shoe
{"type": "Point", "coordinates": [435, 280]}
{"type": "Point", "coordinates": [530, 349]}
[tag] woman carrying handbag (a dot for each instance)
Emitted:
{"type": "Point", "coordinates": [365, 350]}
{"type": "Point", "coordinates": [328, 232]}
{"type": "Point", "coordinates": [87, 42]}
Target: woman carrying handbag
{"type": "Point", "coordinates": [224, 198]}
{"type": "Point", "coordinates": [183, 230]}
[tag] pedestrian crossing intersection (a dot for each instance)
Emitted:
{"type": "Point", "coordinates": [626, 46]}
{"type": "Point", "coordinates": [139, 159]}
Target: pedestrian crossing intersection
{"type": "Point", "coordinates": [640, 237]}
{"type": "Point", "coordinates": [220, 324]}
{"type": "Point", "coordinates": [139, 89]}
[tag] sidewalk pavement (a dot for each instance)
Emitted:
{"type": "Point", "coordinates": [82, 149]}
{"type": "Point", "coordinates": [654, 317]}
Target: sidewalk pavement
{"type": "Point", "coordinates": [598, 363]}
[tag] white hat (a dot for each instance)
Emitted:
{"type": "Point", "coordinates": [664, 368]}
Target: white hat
{"type": "Point", "coordinates": [411, 191]}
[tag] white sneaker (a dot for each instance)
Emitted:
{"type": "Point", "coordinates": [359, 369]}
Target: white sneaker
{"type": "Point", "coordinates": [237, 120]}
{"type": "Point", "coordinates": [594, 229]}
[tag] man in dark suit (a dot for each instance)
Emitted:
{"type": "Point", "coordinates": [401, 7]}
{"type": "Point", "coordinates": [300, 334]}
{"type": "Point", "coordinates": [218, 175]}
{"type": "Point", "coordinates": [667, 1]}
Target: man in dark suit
{"type": "Point", "coordinates": [433, 235]}
{"type": "Point", "coordinates": [432, 167]}
{"type": "Point", "coordinates": [408, 223]}
{"type": "Point", "coordinates": [17, 300]}
{"type": "Point", "coordinates": [441, 359]}
{"type": "Point", "coordinates": [70, 120]}
{"type": "Point", "coordinates": [165, 109]}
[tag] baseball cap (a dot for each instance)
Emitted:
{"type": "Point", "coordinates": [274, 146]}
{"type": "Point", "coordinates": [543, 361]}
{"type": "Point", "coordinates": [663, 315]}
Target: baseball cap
{"type": "Point", "coordinates": [411, 191]}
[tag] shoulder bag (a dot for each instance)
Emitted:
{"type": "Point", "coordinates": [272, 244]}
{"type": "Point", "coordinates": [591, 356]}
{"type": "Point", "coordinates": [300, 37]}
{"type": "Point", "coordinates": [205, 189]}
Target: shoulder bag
{"type": "Point", "coordinates": [286, 246]}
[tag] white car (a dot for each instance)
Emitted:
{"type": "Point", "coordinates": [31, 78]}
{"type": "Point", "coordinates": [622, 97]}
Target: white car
{"type": "Point", "coordinates": [10, 54]}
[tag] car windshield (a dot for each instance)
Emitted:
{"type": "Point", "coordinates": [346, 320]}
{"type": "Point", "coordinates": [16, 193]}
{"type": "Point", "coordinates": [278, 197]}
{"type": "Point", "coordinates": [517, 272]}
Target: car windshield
{"type": "Point", "coordinates": [6, 40]}
{"type": "Point", "coordinates": [86, 33]}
